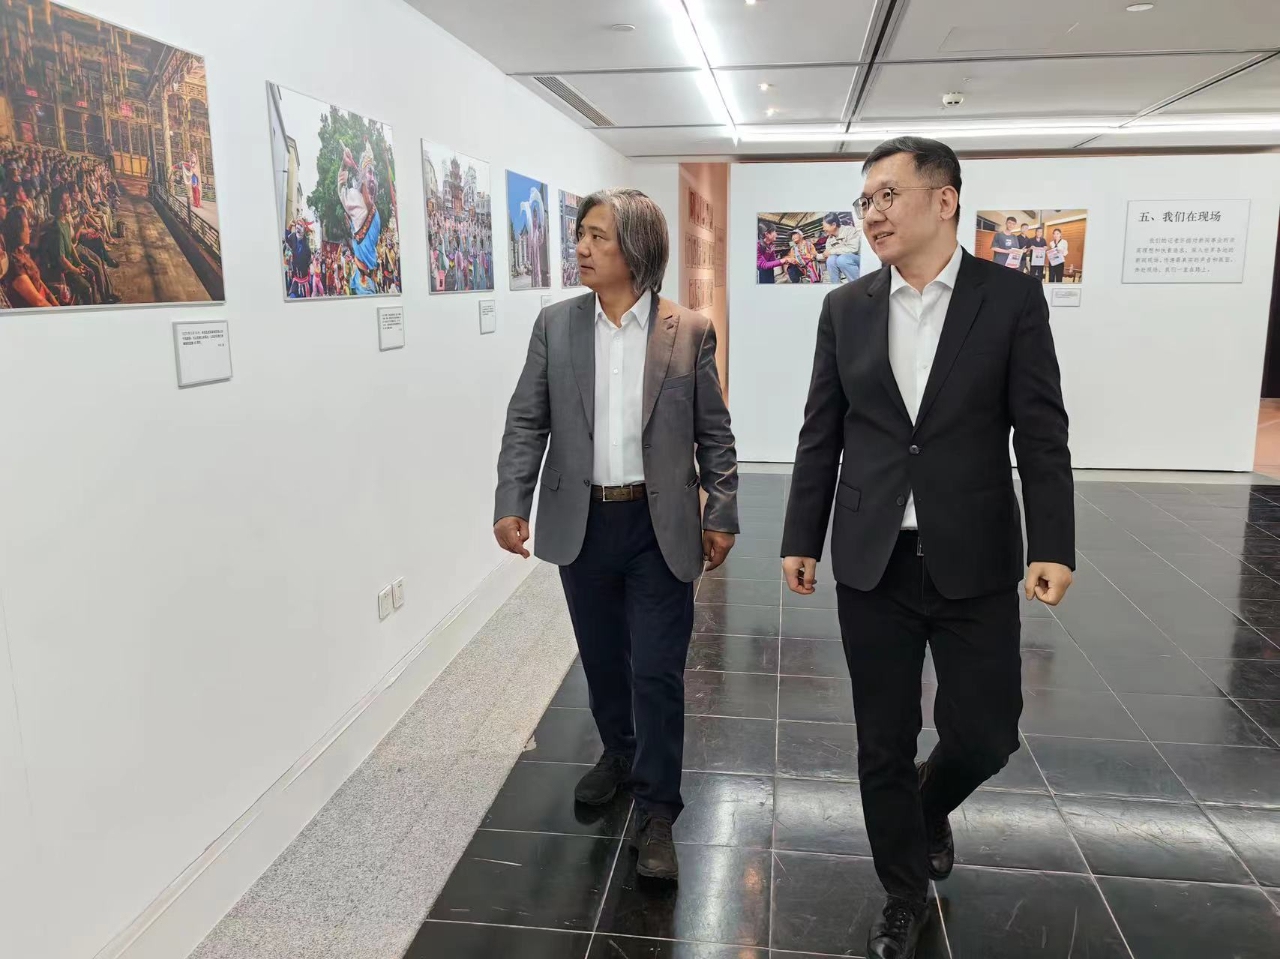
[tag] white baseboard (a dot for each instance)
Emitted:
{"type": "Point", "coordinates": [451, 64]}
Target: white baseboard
{"type": "Point", "coordinates": [184, 913]}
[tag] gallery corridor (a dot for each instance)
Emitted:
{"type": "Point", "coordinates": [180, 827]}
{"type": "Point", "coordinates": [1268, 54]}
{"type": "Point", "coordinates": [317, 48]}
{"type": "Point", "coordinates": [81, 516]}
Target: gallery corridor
{"type": "Point", "coordinates": [1140, 818]}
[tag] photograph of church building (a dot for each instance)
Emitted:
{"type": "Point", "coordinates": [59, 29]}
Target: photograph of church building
{"type": "Point", "coordinates": [107, 185]}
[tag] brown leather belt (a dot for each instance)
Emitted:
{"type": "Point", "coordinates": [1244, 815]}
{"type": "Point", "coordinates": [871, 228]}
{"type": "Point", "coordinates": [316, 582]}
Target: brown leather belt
{"type": "Point", "coordinates": [619, 494]}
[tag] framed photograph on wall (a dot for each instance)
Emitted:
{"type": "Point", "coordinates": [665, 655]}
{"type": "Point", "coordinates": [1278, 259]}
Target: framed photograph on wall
{"type": "Point", "coordinates": [111, 149]}
{"type": "Point", "coordinates": [1045, 244]}
{"type": "Point", "coordinates": [810, 248]}
{"type": "Point", "coordinates": [459, 210]}
{"type": "Point", "coordinates": [335, 199]}
{"type": "Point", "coordinates": [527, 233]}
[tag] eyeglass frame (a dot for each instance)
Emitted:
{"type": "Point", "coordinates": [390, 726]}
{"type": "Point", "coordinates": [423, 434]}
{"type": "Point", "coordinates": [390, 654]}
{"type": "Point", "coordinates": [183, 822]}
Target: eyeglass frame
{"type": "Point", "coordinates": [861, 213]}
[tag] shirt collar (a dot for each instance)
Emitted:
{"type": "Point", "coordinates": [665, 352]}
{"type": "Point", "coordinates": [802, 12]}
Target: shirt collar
{"type": "Point", "coordinates": [947, 277]}
{"type": "Point", "coordinates": [640, 310]}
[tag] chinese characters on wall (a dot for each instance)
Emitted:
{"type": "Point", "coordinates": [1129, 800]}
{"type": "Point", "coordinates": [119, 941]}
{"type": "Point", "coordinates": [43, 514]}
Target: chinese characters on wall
{"type": "Point", "coordinates": [1186, 241]}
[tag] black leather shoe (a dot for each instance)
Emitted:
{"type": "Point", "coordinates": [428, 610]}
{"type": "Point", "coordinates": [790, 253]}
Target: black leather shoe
{"type": "Point", "coordinates": [657, 850]}
{"type": "Point", "coordinates": [601, 784]}
{"type": "Point", "coordinates": [942, 849]}
{"type": "Point", "coordinates": [896, 932]}
{"type": "Point", "coordinates": [941, 844]}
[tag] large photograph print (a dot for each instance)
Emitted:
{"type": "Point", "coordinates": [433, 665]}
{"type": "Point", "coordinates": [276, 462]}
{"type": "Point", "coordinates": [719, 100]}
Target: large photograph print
{"type": "Point", "coordinates": [108, 194]}
{"type": "Point", "coordinates": [459, 220]}
{"type": "Point", "coordinates": [570, 275]}
{"type": "Point", "coordinates": [808, 248]}
{"type": "Point", "coordinates": [527, 225]}
{"type": "Point", "coordinates": [335, 198]}
{"type": "Point", "coordinates": [1045, 244]}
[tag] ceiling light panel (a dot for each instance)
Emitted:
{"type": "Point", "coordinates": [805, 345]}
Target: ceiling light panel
{"type": "Point", "coordinates": [932, 29]}
{"type": "Point", "coordinates": [647, 99]}
{"type": "Point", "coordinates": [1011, 88]}
{"type": "Point", "coordinates": [782, 31]}
{"type": "Point", "coordinates": [558, 36]}
{"type": "Point", "coordinates": [799, 94]}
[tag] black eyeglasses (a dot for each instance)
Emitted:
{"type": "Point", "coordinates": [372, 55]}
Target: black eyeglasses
{"type": "Point", "coordinates": [883, 199]}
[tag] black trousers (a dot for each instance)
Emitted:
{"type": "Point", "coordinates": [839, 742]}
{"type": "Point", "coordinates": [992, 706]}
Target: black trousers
{"type": "Point", "coordinates": [977, 658]}
{"type": "Point", "coordinates": [633, 620]}
{"type": "Point", "coordinates": [1056, 272]}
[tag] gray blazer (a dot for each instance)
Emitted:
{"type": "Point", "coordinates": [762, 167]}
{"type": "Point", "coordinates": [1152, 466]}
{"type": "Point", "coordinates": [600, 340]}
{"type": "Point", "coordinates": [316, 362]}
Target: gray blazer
{"type": "Point", "coordinates": [683, 409]}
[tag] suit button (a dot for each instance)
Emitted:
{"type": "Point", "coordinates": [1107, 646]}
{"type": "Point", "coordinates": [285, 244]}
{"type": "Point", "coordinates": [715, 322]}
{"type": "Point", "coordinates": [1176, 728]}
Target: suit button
{"type": "Point", "coordinates": [586, 482]}
{"type": "Point", "coordinates": [914, 451]}
{"type": "Point", "coordinates": [902, 501]}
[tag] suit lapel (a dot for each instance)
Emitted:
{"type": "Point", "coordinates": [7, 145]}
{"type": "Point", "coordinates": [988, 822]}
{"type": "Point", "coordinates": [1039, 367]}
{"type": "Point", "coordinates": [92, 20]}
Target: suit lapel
{"type": "Point", "coordinates": [878, 342]}
{"type": "Point", "coordinates": [664, 321]}
{"type": "Point", "coordinates": [582, 353]}
{"type": "Point", "coordinates": [966, 299]}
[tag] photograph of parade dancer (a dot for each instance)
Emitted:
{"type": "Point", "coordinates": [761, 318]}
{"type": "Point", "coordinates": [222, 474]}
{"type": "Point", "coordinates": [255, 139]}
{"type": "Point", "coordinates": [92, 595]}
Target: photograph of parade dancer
{"type": "Point", "coordinates": [107, 192]}
{"type": "Point", "coordinates": [569, 274]}
{"type": "Point", "coordinates": [459, 220]}
{"type": "Point", "coordinates": [335, 197]}
{"type": "Point", "coordinates": [527, 225]}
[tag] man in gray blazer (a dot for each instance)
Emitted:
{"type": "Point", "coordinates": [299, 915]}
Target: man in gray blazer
{"type": "Point", "coordinates": [625, 386]}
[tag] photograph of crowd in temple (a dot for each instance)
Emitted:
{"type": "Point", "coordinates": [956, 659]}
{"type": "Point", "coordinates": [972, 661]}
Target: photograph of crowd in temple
{"type": "Point", "coordinates": [107, 192]}
{"type": "Point", "coordinates": [459, 220]}
{"type": "Point", "coordinates": [797, 248]}
{"type": "Point", "coordinates": [569, 272]}
{"type": "Point", "coordinates": [527, 226]}
{"type": "Point", "coordinates": [336, 198]}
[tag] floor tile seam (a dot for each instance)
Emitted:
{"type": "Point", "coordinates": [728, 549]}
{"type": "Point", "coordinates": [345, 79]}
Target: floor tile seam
{"type": "Point", "coordinates": [608, 884]}
{"type": "Point", "coordinates": [1080, 850]}
{"type": "Point", "coordinates": [777, 738]}
{"type": "Point", "coordinates": [1182, 782]}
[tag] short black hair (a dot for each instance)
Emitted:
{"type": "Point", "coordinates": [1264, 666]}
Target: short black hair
{"type": "Point", "coordinates": [764, 228]}
{"type": "Point", "coordinates": [1011, 219]}
{"type": "Point", "coordinates": [832, 218]}
{"type": "Point", "coordinates": [934, 160]}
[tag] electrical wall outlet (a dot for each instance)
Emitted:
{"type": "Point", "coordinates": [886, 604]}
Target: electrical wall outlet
{"type": "Point", "coordinates": [384, 603]}
{"type": "Point", "coordinates": [397, 593]}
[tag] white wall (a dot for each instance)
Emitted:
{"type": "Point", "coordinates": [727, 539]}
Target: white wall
{"type": "Point", "coordinates": [189, 579]}
{"type": "Point", "coordinates": [1155, 377]}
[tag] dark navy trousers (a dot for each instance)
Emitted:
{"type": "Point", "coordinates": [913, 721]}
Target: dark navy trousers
{"type": "Point", "coordinates": [633, 620]}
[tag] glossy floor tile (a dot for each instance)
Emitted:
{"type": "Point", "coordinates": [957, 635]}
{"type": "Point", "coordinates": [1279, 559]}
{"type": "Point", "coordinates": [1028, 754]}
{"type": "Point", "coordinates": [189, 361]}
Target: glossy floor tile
{"type": "Point", "coordinates": [1148, 782]}
{"type": "Point", "coordinates": [1166, 919]}
{"type": "Point", "coordinates": [1150, 840]}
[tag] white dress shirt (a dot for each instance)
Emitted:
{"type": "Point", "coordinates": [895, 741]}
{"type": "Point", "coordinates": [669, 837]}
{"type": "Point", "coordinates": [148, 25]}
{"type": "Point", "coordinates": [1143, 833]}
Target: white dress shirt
{"type": "Point", "coordinates": [915, 326]}
{"type": "Point", "coordinates": [620, 355]}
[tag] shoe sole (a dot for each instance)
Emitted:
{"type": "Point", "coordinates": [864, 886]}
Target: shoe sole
{"type": "Point", "coordinates": [938, 877]}
{"type": "Point", "coordinates": [657, 874]}
{"type": "Point", "coordinates": [597, 802]}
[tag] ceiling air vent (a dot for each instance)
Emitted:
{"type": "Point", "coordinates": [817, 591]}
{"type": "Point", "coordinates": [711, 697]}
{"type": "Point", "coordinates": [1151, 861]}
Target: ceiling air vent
{"type": "Point", "coordinates": [574, 99]}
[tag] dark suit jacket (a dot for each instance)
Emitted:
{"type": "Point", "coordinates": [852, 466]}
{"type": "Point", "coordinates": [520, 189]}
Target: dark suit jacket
{"type": "Point", "coordinates": [995, 369]}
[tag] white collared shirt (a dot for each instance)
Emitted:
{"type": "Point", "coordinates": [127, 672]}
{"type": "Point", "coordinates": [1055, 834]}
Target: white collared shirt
{"type": "Point", "coordinates": [915, 326]}
{"type": "Point", "coordinates": [620, 355]}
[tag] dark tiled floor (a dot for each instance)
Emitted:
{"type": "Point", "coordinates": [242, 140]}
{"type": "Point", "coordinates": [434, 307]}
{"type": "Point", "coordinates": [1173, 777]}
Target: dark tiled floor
{"type": "Point", "coordinates": [1141, 817]}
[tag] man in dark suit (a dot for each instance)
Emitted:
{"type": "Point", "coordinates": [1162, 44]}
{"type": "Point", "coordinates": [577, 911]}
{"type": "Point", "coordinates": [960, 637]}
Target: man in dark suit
{"type": "Point", "coordinates": [622, 384]}
{"type": "Point", "coordinates": [921, 370]}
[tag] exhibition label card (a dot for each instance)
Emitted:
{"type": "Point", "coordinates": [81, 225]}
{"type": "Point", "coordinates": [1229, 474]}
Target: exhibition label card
{"type": "Point", "coordinates": [202, 351]}
{"type": "Point", "coordinates": [390, 328]}
{"type": "Point", "coordinates": [488, 316]}
{"type": "Point", "coordinates": [1185, 241]}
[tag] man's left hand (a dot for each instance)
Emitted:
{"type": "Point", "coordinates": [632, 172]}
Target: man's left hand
{"type": "Point", "coordinates": [1048, 582]}
{"type": "Point", "coordinates": [715, 547]}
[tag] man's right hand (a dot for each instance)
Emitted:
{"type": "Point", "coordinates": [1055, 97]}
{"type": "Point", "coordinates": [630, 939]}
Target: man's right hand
{"type": "Point", "coordinates": [512, 533]}
{"type": "Point", "coordinates": [801, 573]}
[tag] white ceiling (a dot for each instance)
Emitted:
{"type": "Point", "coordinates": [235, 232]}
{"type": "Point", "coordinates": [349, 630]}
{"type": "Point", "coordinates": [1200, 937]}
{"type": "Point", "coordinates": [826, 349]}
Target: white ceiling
{"type": "Point", "coordinates": [870, 66]}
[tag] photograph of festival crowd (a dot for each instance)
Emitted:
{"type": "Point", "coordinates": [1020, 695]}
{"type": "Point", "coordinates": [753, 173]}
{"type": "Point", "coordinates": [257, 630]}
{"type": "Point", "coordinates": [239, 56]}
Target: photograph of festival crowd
{"type": "Point", "coordinates": [459, 220]}
{"type": "Point", "coordinates": [1045, 244]}
{"type": "Point", "coordinates": [796, 248]}
{"type": "Point", "coordinates": [107, 191]}
{"type": "Point", "coordinates": [569, 274]}
{"type": "Point", "coordinates": [527, 225]}
{"type": "Point", "coordinates": [335, 197]}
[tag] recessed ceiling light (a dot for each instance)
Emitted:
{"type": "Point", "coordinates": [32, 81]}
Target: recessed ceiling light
{"type": "Point", "coordinates": [765, 86]}
{"type": "Point", "coordinates": [770, 112]}
{"type": "Point", "coordinates": [1140, 7]}
{"type": "Point", "coordinates": [623, 27]}
{"type": "Point", "coordinates": [751, 3]}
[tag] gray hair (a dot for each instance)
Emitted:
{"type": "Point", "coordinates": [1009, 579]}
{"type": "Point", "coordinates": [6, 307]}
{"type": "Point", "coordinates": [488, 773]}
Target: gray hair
{"type": "Point", "coordinates": [642, 234]}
